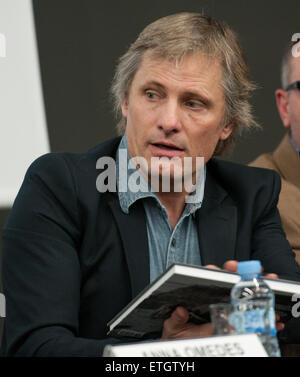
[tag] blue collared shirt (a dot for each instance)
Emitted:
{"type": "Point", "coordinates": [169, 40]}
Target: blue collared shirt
{"type": "Point", "coordinates": [166, 245]}
{"type": "Point", "coordinates": [294, 145]}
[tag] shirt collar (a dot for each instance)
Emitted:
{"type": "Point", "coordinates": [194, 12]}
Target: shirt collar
{"type": "Point", "coordinates": [129, 197]}
{"type": "Point", "coordinates": [294, 145]}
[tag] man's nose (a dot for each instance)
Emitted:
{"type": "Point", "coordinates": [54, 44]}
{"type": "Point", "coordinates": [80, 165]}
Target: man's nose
{"type": "Point", "coordinates": [169, 119]}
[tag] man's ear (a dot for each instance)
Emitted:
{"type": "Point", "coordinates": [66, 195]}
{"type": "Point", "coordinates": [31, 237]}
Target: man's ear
{"type": "Point", "coordinates": [282, 102]}
{"type": "Point", "coordinates": [226, 131]}
{"type": "Point", "coordinates": [125, 107]}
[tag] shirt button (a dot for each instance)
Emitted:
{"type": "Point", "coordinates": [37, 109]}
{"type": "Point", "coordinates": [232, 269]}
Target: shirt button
{"type": "Point", "coordinates": [173, 243]}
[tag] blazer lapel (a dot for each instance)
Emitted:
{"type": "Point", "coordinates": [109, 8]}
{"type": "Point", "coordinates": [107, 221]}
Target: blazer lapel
{"type": "Point", "coordinates": [133, 232]}
{"type": "Point", "coordinates": [217, 224]}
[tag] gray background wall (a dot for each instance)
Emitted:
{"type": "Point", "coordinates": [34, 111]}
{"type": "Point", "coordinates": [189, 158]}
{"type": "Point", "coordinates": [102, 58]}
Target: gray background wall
{"type": "Point", "coordinates": [80, 40]}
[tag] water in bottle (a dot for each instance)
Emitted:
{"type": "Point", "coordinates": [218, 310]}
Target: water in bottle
{"type": "Point", "coordinates": [253, 302]}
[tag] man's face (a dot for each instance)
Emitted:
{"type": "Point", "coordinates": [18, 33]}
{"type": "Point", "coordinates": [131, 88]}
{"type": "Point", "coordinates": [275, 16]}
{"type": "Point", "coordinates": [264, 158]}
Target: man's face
{"type": "Point", "coordinates": [293, 107]}
{"type": "Point", "coordinates": [175, 111]}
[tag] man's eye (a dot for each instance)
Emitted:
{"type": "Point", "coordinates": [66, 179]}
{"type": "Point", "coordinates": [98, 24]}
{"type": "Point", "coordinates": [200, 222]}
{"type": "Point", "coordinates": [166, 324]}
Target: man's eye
{"type": "Point", "coordinates": [193, 104]}
{"type": "Point", "coordinates": [151, 95]}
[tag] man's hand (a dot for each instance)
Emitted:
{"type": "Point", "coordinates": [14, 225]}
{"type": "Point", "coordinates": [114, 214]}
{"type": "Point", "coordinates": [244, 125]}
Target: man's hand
{"type": "Point", "coordinates": [232, 266]}
{"type": "Point", "coordinates": [178, 327]}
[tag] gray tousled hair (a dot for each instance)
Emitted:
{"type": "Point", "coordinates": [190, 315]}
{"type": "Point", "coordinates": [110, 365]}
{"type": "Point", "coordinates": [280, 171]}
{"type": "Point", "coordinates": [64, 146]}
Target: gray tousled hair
{"type": "Point", "coordinates": [175, 36]}
{"type": "Point", "coordinates": [286, 64]}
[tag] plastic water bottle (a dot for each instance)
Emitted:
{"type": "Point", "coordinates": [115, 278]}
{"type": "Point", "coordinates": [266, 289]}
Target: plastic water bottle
{"type": "Point", "coordinates": [253, 302]}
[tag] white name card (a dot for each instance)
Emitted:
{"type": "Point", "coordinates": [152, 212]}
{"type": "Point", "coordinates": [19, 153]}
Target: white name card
{"type": "Point", "coordinates": [216, 346]}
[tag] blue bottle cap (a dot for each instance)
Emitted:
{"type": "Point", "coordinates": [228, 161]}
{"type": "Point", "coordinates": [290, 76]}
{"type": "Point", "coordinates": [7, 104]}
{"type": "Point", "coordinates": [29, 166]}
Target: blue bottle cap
{"type": "Point", "coordinates": [249, 267]}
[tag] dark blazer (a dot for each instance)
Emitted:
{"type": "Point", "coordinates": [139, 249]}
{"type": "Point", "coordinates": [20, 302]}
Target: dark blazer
{"type": "Point", "coordinates": [72, 259]}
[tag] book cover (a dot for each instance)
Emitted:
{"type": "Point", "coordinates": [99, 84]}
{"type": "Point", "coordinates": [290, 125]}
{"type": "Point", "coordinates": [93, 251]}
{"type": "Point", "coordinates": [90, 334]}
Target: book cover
{"type": "Point", "coordinates": [193, 287]}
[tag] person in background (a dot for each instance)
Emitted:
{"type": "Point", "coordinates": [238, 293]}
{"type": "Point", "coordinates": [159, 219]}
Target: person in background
{"type": "Point", "coordinates": [286, 158]}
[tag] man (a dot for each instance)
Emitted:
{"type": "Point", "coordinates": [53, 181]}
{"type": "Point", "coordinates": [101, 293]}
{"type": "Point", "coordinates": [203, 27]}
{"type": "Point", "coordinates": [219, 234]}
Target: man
{"type": "Point", "coordinates": [74, 256]}
{"type": "Point", "coordinates": [286, 159]}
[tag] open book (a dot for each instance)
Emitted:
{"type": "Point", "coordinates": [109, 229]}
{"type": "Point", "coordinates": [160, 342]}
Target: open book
{"type": "Point", "coordinates": [195, 288]}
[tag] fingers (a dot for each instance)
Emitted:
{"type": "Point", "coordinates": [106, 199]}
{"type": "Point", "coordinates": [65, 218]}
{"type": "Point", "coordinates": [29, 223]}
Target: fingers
{"type": "Point", "coordinates": [272, 276]}
{"type": "Point", "coordinates": [178, 327]}
{"type": "Point", "coordinates": [212, 267]}
{"type": "Point", "coordinates": [179, 317]}
{"type": "Point", "coordinates": [175, 323]}
{"type": "Point", "coordinates": [205, 330]}
{"type": "Point", "coordinates": [279, 326]}
{"type": "Point", "coordinates": [230, 265]}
